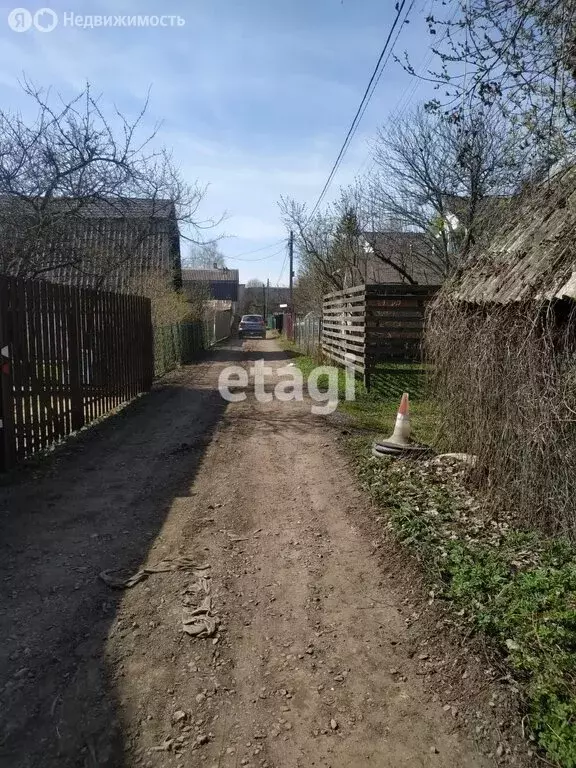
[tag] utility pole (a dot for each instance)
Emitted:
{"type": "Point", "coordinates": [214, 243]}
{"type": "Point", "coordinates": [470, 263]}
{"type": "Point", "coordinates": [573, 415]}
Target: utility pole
{"type": "Point", "coordinates": [266, 299]}
{"type": "Point", "coordinates": [291, 273]}
{"type": "Point", "coordinates": [291, 283]}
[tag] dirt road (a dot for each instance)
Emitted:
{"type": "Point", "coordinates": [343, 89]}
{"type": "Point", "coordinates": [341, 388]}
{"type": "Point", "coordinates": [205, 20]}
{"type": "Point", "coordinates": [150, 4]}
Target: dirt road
{"type": "Point", "coordinates": [309, 665]}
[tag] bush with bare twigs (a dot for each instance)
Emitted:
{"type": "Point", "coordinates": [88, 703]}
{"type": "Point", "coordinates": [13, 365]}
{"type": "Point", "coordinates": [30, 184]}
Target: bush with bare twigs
{"type": "Point", "coordinates": [505, 380]}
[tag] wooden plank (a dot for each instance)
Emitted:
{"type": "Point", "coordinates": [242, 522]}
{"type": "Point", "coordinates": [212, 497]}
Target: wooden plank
{"type": "Point", "coordinates": [335, 344]}
{"type": "Point", "coordinates": [346, 292]}
{"type": "Point", "coordinates": [147, 345]}
{"type": "Point", "coordinates": [394, 303]}
{"type": "Point", "coordinates": [391, 325]}
{"type": "Point", "coordinates": [344, 354]}
{"type": "Point", "coordinates": [391, 289]}
{"type": "Point", "coordinates": [382, 336]}
{"type": "Point", "coordinates": [338, 357]}
{"type": "Point", "coordinates": [64, 407]}
{"type": "Point", "coordinates": [347, 330]}
{"type": "Point", "coordinates": [35, 341]}
{"type": "Point", "coordinates": [27, 373]}
{"type": "Point", "coordinates": [8, 439]}
{"type": "Point", "coordinates": [51, 364]}
{"type": "Point", "coordinates": [332, 306]}
{"type": "Point", "coordinates": [354, 340]}
{"type": "Point", "coordinates": [74, 362]}
{"type": "Point", "coordinates": [19, 332]}
{"type": "Point", "coordinates": [45, 366]}
{"type": "Point", "coordinates": [343, 308]}
{"type": "Point", "coordinates": [395, 314]}
{"type": "Point", "coordinates": [338, 320]}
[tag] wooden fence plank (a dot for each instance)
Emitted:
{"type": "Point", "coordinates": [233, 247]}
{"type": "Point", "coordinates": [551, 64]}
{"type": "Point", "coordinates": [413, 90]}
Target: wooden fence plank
{"type": "Point", "coordinates": [8, 440]}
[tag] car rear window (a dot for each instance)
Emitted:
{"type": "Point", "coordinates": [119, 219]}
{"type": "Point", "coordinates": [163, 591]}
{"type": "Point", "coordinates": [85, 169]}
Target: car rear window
{"type": "Point", "coordinates": [252, 319]}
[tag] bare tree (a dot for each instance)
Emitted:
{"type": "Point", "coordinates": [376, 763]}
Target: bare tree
{"type": "Point", "coordinates": [446, 180]}
{"type": "Point", "coordinates": [72, 167]}
{"type": "Point", "coordinates": [205, 256]}
{"type": "Point", "coordinates": [329, 248]}
{"type": "Point", "coordinates": [519, 55]}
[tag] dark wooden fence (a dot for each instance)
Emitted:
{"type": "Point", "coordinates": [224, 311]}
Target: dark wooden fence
{"type": "Point", "coordinates": [69, 356]}
{"type": "Point", "coordinates": [368, 324]}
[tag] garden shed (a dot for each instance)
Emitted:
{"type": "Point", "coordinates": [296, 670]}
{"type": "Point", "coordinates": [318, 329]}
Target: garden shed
{"type": "Point", "coordinates": [501, 340]}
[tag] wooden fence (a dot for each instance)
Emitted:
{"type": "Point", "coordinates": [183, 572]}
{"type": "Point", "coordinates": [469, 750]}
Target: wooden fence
{"type": "Point", "coordinates": [69, 356]}
{"type": "Point", "coordinates": [367, 324]}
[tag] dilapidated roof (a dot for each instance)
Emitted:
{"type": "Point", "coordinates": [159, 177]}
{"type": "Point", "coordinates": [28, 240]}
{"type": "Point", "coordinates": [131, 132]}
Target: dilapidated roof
{"type": "Point", "coordinates": [532, 255]}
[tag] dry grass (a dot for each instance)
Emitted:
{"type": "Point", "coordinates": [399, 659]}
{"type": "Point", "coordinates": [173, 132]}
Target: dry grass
{"type": "Point", "coordinates": [505, 381]}
{"type": "Point", "coordinates": [169, 306]}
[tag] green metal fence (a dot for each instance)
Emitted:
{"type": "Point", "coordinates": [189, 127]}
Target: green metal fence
{"type": "Point", "coordinates": [182, 343]}
{"type": "Point", "coordinates": [178, 344]}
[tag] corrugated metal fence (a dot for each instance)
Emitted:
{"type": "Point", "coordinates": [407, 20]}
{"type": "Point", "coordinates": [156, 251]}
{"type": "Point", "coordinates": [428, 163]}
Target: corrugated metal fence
{"type": "Point", "coordinates": [69, 356]}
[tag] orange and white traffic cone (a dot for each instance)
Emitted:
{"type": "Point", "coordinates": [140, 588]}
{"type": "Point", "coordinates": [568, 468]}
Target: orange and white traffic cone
{"type": "Point", "coordinates": [400, 438]}
{"type": "Point", "coordinates": [401, 434]}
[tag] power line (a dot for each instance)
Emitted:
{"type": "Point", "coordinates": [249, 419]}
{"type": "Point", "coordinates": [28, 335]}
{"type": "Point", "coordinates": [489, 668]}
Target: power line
{"type": "Point", "coordinates": [408, 95]}
{"type": "Point", "coordinates": [263, 258]}
{"type": "Point", "coordinates": [283, 268]}
{"type": "Point", "coordinates": [257, 250]}
{"type": "Point", "coordinates": [362, 107]}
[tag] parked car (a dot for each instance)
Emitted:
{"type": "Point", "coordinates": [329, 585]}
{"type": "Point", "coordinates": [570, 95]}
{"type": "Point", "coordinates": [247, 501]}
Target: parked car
{"type": "Point", "coordinates": [252, 325]}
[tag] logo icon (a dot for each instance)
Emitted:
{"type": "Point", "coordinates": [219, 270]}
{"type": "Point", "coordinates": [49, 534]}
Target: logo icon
{"type": "Point", "coordinates": [45, 20]}
{"type": "Point", "coordinates": [20, 20]}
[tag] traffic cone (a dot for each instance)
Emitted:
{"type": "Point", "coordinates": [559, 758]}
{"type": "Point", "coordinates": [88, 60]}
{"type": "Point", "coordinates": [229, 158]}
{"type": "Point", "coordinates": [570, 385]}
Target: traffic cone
{"type": "Point", "coordinates": [399, 442]}
{"type": "Point", "coordinates": [401, 434]}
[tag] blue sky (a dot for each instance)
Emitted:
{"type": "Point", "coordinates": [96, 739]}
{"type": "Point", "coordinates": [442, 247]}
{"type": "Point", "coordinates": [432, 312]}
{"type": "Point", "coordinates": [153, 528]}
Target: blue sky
{"type": "Point", "coordinates": [255, 96]}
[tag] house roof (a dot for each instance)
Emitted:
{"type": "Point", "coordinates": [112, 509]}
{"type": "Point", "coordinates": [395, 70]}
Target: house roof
{"type": "Point", "coordinates": [108, 242]}
{"type": "Point", "coordinates": [210, 275]}
{"type": "Point", "coordinates": [412, 251]}
{"type": "Point", "coordinates": [101, 208]}
{"type": "Point", "coordinates": [533, 256]}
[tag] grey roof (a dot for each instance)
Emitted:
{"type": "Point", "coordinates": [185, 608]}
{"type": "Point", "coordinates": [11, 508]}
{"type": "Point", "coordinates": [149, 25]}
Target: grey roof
{"type": "Point", "coordinates": [533, 256]}
{"type": "Point", "coordinates": [413, 251]}
{"type": "Point", "coordinates": [210, 275]}
{"type": "Point", "coordinates": [92, 208]}
{"type": "Point", "coordinates": [106, 242]}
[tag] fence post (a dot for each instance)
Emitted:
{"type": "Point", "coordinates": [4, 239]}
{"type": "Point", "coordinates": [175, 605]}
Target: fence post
{"type": "Point", "coordinates": [147, 343]}
{"type": "Point", "coordinates": [76, 394]}
{"type": "Point", "coordinates": [7, 441]}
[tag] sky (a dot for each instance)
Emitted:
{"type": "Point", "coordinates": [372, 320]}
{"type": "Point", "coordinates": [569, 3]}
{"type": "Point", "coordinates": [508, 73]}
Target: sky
{"type": "Point", "coordinates": [254, 97]}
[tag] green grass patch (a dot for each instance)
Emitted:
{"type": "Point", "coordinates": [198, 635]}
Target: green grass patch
{"type": "Point", "coordinates": [376, 410]}
{"type": "Point", "coordinates": [517, 587]}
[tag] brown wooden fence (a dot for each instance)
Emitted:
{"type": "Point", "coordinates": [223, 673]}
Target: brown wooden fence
{"type": "Point", "coordinates": [343, 332]}
{"type": "Point", "coordinates": [367, 324]}
{"type": "Point", "coordinates": [69, 356]}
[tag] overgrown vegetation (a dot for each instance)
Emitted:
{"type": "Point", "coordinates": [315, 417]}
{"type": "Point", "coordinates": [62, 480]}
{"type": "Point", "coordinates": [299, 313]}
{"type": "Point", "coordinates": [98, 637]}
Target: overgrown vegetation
{"type": "Point", "coordinates": [519, 588]}
{"type": "Point", "coordinates": [505, 381]}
